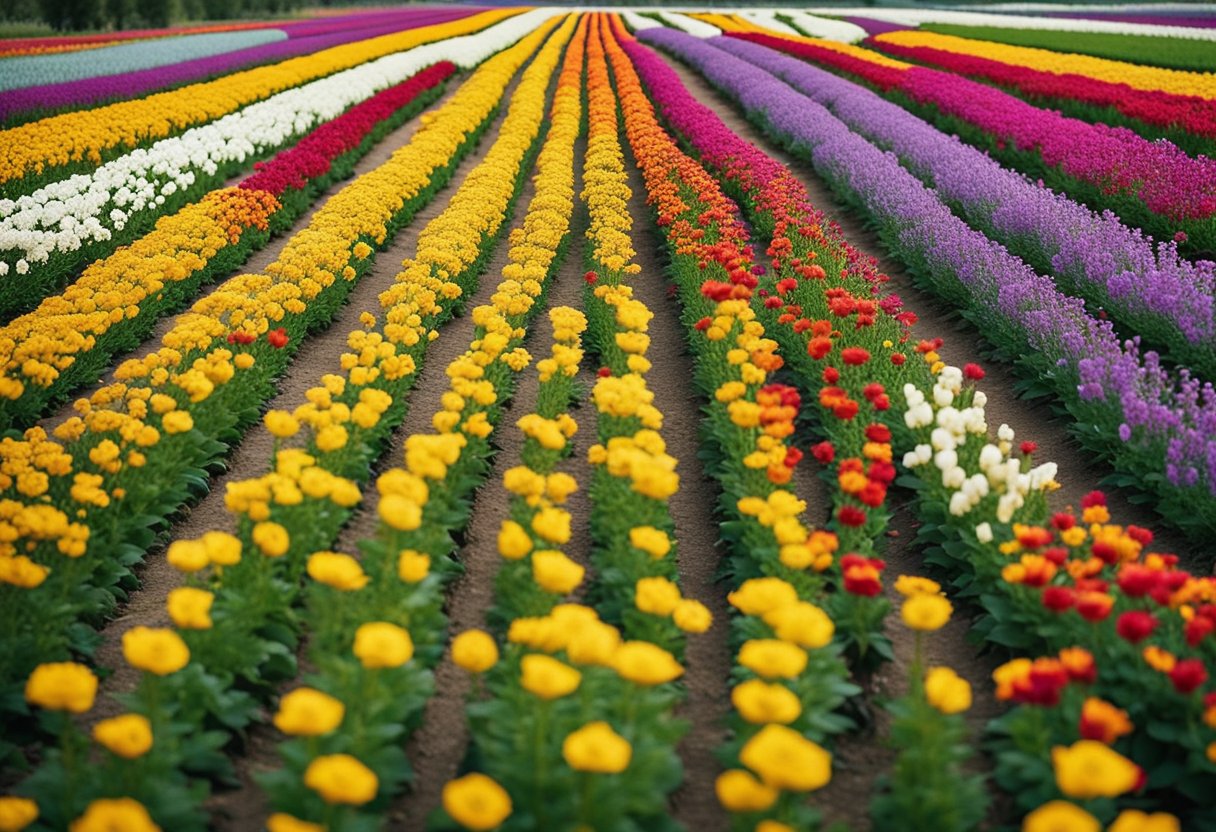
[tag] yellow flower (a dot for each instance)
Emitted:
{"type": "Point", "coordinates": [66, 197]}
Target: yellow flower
{"type": "Point", "coordinates": [760, 702]}
{"type": "Point", "coordinates": [925, 612]}
{"type": "Point", "coordinates": [305, 712]}
{"type": "Point", "coordinates": [282, 822]}
{"type": "Point", "coordinates": [109, 814]}
{"type": "Point", "coordinates": [476, 802]}
{"type": "Point", "coordinates": [784, 759]}
{"type": "Point", "coordinates": [650, 540]}
{"type": "Point", "coordinates": [222, 548]}
{"type": "Point", "coordinates": [334, 569]}
{"type": "Point", "coordinates": [773, 659]}
{"type": "Point", "coordinates": [597, 748]}
{"type": "Point", "coordinates": [547, 677]}
{"type": "Point", "coordinates": [16, 813]}
{"type": "Point", "coordinates": [692, 616]}
{"type": "Point", "coordinates": [412, 566]}
{"type": "Point", "coordinates": [1133, 820]}
{"type": "Point", "coordinates": [475, 651]}
{"type": "Point", "coordinates": [381, 644]}
{"type": "Point", "coordinates": [1089, 769]}
{"type": "Point", "coordinates": [156, 650]}
{"type": "Point", "coordinates": [739, 791]}
{"type": "Point", "coordinates": [657, 596]}
{"type": "Point", "coordinates": [947, 691]}
{"type": "Point", "coordinates": [129, 735]}
{"type": "Point", "coordinates": [178, 421]}
{"type": "Point", "coordinates": [271, 538]}
{"type": "Point", "coordinates": [552, 524]}
{"type": "Point", "coordinates": [62, 686]}
{"type": "Point", "coordinates": [400, 512]}
{"type": "Point", "coordinates": [280, 423]}
{"type": "Point", "coordinates": [187, 555]}
{"type": "Point", "coordinates": [644, 663]}
{"type": "Point", "coordinates": [555, 572]}
{"type": "Point", "coordinates": [190, 608]}
{"type": "Point", "coordinates": [802, 623]}
{"type": "Point", "coordinates": [908, 585]}
{"type": "Point", "coordinates": [1060, 816]}
{"type": "Point", "coordinates": [760, 595]}
{"type": "Point", "coordinates": [340, 778]}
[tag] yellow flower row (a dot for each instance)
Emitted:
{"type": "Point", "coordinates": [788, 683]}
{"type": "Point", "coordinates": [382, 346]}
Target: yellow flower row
{"type": "Point", "coordinates": [86, 134]}
{"type": "Point", "coordinates": [37, 347]}
{"type": "Point", "coordinates": [1137, 76]}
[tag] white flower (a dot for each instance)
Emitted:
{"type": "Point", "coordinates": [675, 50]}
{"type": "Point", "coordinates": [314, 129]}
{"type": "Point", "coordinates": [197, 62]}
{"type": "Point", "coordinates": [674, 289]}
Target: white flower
{"type": "Point", "coordinates": [983, 533]}
{"type": "Point", "coordinates": [1005, 433]}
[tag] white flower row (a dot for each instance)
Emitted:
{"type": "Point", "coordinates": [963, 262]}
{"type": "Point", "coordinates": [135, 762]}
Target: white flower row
{"type": "Point", "coordinates": [66, 215]}
{"type": "Point", "coordinates": [638, 22]}
{"type": "Point", "coordinates": [997, 472]}
{"type": "Point", "coordinates": [915, 17]}
{"type": "Point", "coordinates": [822, 27]}
{"type": "Point", "coordinates": [36, 70]}
{"type": "Point", "coordinates": [769, 20]}
{"type": "Point", "coordinates": [695, 27]}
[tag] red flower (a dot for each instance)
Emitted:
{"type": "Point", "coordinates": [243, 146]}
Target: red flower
{"type": "Point", "coordinates": [703, 324]}
{"type": "Point", "coordinates": [846, 410]}
{"type": "Point", "coordinates": [1135, 626]}
{"type": "Point", "coordinates": [277, 338]}
{"type": "Point", "coordinates": [1188, 675]}
{"type": "Point", "coordinates": [831, 375]}
{"type": "Point", "coordinates": [898, 358]}
{"type": "Point", "coordinates": [1197, 629]}
{"type": "Point", "coordinates": [818, 347]}
{"type": "Point", "coordinates": [1063, 521]}
{"type": "Point", "coordinates": [878, 433]}
{"type": "Point", "coordinates": [851, 516]}
{"type": "Point", "coordinates": [604, 372]}
{"type": "Point", "coordinates": [1028, 448]}
{"type": "Point", "coordinates": [855, 356]}
{"type": "Point", "coordinates": [590, 277]}
{"type": "Point", "coordinates": [1142, 536]}
{"type": "Point", "coordinates": [973, 371]}
{"type": "Point", "coordinates": [824, 453]}
{"type": "Point", "coordinates": [1137, 581]}
{"type": "Point", "coordinates": [1094, 606]}
{"type": "Point", "coordinates": [1093, 498]}
{"type": "Point", "coordinates": [861, 575]}
{"type": "Point", "coordinates": [1058, 598]}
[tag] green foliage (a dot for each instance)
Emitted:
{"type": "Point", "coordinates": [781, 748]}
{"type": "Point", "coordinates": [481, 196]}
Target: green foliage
{"type": "Point", "coordinates": [1154, 50]}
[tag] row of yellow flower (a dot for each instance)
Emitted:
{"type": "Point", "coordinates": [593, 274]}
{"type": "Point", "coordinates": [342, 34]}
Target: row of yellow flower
{"type": "Point", "coordinates": [129, 456]}
{"type": "Point", "coordinates": [793, 677]}
{"type": "Point", "coordinates": [1137, 76]}
{"type": "Point", "coordinates": [84, 136]}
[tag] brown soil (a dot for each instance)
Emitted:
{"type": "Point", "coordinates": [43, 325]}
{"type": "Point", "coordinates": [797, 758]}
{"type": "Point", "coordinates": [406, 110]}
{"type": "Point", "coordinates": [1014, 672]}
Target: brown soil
{"type": "Point", "coordinates": [707, 656]}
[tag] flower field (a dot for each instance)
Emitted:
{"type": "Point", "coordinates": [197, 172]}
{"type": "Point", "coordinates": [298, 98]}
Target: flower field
{"type": "Point", "coordinates": [546, 419]}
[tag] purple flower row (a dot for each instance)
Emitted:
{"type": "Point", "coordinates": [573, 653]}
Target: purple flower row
{"type": "Point", "coordinates": [54, 97]}
{"type": "Point", "coordinates": [1155, 291]}
{"type": "Point", "coordinates": [1112, 390]}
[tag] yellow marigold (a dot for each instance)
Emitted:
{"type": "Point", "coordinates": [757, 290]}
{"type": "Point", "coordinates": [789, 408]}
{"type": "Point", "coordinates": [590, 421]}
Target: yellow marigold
{"type": "Point", "coordinates": [190, 608]}
{"type": "Point", "coordinates": [187, 555]}
{"type": "Point", "coordinates": [271, 538]}
{"type": "Point", "coordinates": [400, 512]}
{"type": "Point", "coordinates": [784, 759]}
{"type": "Point", "coordinates": [222, 548]}
{"type": "Point", "coordinates": [555, 572]}
{"type": "Point", "coordinates": [925, 612]}
{"type": "Point", "coordinates": [644, 663]}
{"type": "Point", "coordinates": [597, 748]}
{"type": "Point", "coordinates": [154, 649]}
{"type": "Point", "coordinates": [129, 735]}
{"type": "Point", "coordinates": [692, 616]}
{"type": "Point", "coordinates": [947, 691]}
{"type": "Point", "coordinates": [16, 813]}
{"type": "Point", "coordinates": [476, 802]}
{"type": "Point", "coordinates": [552, 524]}
{"type": "Point", "coordinates": [177, 421]}
{"type": "Point", "coordinates": [340, 778]}
{"type": "Point", "coordinates": [760, 702]}
{"type": "Point", "coordinates": [22, 572]}
{"type": "Point", "coordinates": [739, 791]}
{"type": "Point", "coordinates": [650, 540]}
{"type": "Point", "coordinates": [283, 822]}
{"type": "Point", "coordinates": [546, 677]}
{"type": "Point", "coordinates": [760, 595]}
{"type": "Point", "coordinates": [280, 423]}
{"type": "Point", "coordinates": [656, 595]}
{"type": "Point", "coordinates": [334, 569]}
{"type": "Point", "coordinates": [109, 814]}
{"type": "Point", "coordinates": [412, 566]}
{"type": "Point", "coordinates": [1089, 769]}
{"type": "Point", "coordinates": [1060, 816]}
{"type": "Point", "coordinates": [62, 686]}
{"type": "Point", "coordinates": [1134, 820]}
{"type": "Point", "coordinates": [305, 712]}
{"type": "Point", "coordinates": [908, 585]}
{"type": "Point", "coordinates": [380, 644]}
{"type": "Point", "coordinates": [773, 659]}
{"type": "Point", "coordinates": [802, 623]}
{"type": "Point", "coordinates": [475, 651]}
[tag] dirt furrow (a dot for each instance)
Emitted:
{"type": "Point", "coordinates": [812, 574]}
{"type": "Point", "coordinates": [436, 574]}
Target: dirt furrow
{"type": "Point", "coordinates": [707, 657]}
